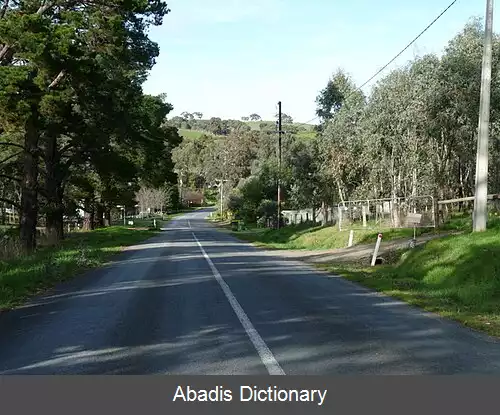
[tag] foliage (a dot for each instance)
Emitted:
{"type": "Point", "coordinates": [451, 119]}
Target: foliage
{"type": "Point", "coordinates": [413, 135]}
{"type": "Point", "coordinates": [76, 129]}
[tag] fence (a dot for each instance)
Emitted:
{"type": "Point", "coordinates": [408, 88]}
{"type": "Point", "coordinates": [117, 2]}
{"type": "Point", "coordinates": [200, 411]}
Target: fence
{"type": "Point", "coordinates": [372, 214]}
{"type": "Point", "coordinates": [414, 212]}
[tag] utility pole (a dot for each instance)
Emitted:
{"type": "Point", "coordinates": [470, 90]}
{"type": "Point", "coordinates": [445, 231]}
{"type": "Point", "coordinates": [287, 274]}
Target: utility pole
{"type": "Point", "coordinates": [221, 199]}
{"type": "Point", "coordinates": [480, 215]}
{"type": "Point", "coordinates": [221, 188]}
{"type": "Point", "coordinates": [279, 163]}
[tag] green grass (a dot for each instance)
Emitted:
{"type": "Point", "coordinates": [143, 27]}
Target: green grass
{"type": "Point", "coordinates": [160, 221]}
{"type": "Point", "coordinates": [309, 237]}
{"type": "Point", "coordinates": [24, 277]}
{"type": "Point", "coordinates": [457, 277]}
{"type": "Point", "coordinates": [316, 237]}
{"type": "Point", "coordinates": [144, 222]}
{"type": "Point", "coordinates": [255, 125]}
{"type": "Point", "coordinates": [191, 133]}
{"type": "Point", "coordinates": [306, 134]}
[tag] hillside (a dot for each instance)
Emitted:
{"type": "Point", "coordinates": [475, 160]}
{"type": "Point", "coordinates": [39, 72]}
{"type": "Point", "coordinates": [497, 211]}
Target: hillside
{"type": "Point", "coordinates": [191, 133]}
{"type": "Point", "coordinates": [254, 125]}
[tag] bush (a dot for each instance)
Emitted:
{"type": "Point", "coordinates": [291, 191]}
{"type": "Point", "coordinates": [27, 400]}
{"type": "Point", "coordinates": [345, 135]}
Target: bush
{"type": "Point", "coordinates": [268, 209]}
{"type": "Point", "coordinates": [235, 205]}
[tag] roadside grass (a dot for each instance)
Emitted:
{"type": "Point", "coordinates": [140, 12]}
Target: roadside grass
{"type": "Point", "coordinates": [307, 236]}
{"type": "Point", "coordinates": [23, 277]}
{"type": "Point", "coordinates": [457, 277]}
{"type": "Point", "coordinates": [161, 220]}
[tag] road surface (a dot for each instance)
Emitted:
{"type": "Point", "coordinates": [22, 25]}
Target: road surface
{"type": "Point", "coordinates": [194, 300]}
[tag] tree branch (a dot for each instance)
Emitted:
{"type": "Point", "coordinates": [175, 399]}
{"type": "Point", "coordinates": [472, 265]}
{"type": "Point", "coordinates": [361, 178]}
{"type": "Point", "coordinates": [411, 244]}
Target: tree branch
{"type": "Point", "coordinates": [11, 157]}
{"type": "Point", "coordinates": [58, 79]}
{"type": "Point", "coordinates": [66, 148]}
{"type": "Point", "coordinates": [44, 7]}
{"type": "Point", "coordinates": [5, 176]}
{"type": "Point", "coordinates": [10, 202]}
{"type": "Point", "coordinates": [4, 51]}
{"type": "Point", "coordinates": [7, 49]}
{"type": "Point", "coordinates": [4, 9]}
{"type": "Point", "coordinates": [7, 143]}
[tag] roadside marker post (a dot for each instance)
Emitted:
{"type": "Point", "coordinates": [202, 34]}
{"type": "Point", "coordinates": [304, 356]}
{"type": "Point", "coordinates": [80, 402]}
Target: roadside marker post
{"type": "Point", "coordinates": [377, 247]}
{"type": "Point", "coordinates": [414, 219]}
{"type": "Point", "coordinates": [351, 238]}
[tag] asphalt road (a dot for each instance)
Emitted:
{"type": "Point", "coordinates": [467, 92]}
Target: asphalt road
{"type": "Point", "coordinates": [194, 300]}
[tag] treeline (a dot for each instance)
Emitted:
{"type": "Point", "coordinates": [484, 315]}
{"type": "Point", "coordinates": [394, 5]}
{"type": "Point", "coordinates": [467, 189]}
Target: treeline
{"type": "Point", "coordinates": [247, 163]}
{"type": "Point", "coordinates": [414, 135]}
{"type": "Point", "coordinates": [76, 129]}
{"type": "Point", "coordinates": [219, 126]}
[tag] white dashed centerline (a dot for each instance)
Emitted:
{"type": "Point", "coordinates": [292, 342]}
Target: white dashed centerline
{"type": "Point", "coordinates": [267, 357]}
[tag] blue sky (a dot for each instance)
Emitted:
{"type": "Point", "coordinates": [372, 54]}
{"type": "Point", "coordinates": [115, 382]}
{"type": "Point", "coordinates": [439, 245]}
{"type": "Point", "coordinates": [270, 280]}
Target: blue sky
{"type": "Point", "coordinates": [230, 58]}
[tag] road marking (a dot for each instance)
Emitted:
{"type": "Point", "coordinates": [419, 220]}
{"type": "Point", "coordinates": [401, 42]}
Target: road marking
{"type": "Point", "coordinates": [267, 357]}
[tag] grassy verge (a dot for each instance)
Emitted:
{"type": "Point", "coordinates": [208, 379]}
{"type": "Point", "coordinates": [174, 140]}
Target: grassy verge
{"type": "Point", "coordinates": [139, 223]}
{"type": "Point", "coordinates": [24, 277]}
{"type": "Point", "coordinates": [308, 237]}
{"type": "Point", "coordinates": [457, 277]}
{"type": "Point", "coordinates": [316, 237]}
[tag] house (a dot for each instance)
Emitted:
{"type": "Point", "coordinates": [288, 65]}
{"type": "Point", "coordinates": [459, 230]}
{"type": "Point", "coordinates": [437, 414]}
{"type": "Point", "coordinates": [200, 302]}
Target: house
{"type": "Point", "coordinates": [192, 198]}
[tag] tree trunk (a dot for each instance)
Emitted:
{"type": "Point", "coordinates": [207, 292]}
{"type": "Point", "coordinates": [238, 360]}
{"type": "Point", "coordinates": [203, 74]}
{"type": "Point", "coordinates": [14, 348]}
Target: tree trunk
{"type": "Point", "coordinates": [325, 213]}
{"type": "Point", "coordinates": [394, 193]}
{"type": "Point", "coordinates": [341, 195]}
{"type": "Point", "coordinates": [54, 192]}
{"type": "Point", "coordinates": [107, 217]}
{"type": "Point", "coordinates": [89, 216]}
{"type": "Point", "coordinates": [87, 221]}
{"type": "Point", "coordinates": [3, 215]}
{"type": "Point", "coordinates": [461, 192]}
{"type": "Point", "coordinates": [100, 215]}
{"type": "Point", "coordinates": [29, 191]}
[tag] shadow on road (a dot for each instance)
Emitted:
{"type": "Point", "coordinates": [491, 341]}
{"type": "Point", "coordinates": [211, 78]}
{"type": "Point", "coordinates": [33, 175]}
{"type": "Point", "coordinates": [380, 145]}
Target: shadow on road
{"type": "Point", "coordinates": [157, 309]}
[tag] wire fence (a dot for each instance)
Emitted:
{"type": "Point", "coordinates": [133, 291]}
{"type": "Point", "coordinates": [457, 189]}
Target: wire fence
{"type": "Point", "coordinates": [390, 213]}
{"type": "Point", "coordinates": [369, 214]}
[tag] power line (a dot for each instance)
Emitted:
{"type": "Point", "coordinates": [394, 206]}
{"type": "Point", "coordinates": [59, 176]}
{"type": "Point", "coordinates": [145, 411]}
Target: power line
{"type": "Point", "coordinates": [394, 58]}
{"type": "Point", "coordinates": [409, 44]}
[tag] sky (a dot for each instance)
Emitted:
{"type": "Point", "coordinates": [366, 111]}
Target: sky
{"type": "Point", "coordinates": [232, 58]}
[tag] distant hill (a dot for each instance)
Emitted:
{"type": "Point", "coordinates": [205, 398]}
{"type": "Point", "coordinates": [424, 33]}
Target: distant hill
{"type": "Point", "coordinates": [191, 133]}
{"type": "Point", "coordinates": [254, 125]}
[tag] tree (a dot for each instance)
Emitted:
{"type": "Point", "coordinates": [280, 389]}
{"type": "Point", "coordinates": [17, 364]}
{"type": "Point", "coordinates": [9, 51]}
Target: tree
{"type": "Point", "coordinates": [245, 118]}
{"type": "Point", "coordinates": [285, 118]}
{"type": "Point", "coordinates": [177, 122]}
{"type": "Point", "coordinates": [198, 115]}
{"type": "Point", "coordinates": [330, 100]}
{"type": "Point", "coordinates": [187, 116]}
{"type": "Point", "coordinates": [55, 61]}
{"type": "Point", "coordinates": [255, 117]}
